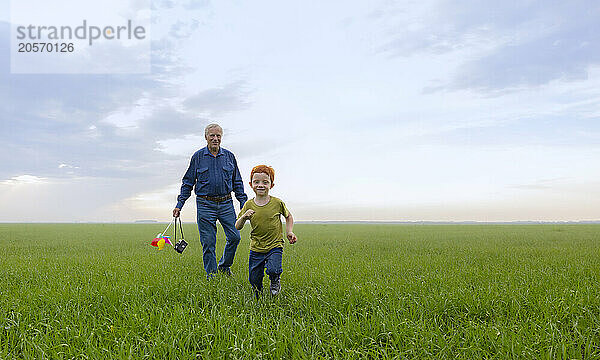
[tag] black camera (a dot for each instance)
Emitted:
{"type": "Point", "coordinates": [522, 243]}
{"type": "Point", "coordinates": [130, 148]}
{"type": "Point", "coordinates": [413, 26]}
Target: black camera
{"type": "Point", "coordinates": [180, 246]}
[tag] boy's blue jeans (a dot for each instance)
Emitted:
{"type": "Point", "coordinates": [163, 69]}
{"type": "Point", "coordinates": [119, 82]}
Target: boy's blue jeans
{"type": "Point", "coordinates": [207, 215]}
{"type": "Point", "coordinates": [257, 263]}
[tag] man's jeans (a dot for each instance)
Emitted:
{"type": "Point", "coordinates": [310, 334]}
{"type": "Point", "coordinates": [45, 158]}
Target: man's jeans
{"type": "Point", "coordinates": [208, 213]}
{"type": "Point", "coordinates": [257, 263]}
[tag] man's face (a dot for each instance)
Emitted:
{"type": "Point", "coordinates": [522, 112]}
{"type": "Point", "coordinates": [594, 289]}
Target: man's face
{"type": "Point", "coordinates": [213, 138]}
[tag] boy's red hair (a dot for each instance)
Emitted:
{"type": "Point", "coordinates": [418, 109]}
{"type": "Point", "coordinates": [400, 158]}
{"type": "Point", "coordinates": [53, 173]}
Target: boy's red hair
{"type": "Point", "coordinates": [263, 169]}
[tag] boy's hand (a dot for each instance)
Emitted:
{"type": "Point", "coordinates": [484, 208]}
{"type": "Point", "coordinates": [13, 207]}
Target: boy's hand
{"type": "Point", "coordinates": [292, 237]}
{"type": "Point", "coordinates": [248, 214]}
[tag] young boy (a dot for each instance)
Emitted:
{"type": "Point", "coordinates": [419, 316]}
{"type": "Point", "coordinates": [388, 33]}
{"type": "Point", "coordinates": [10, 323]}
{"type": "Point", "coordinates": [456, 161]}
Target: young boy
{"type": "Point", "coordinates": [266, 240]}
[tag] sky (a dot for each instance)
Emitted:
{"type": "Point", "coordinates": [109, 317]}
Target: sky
{"type": "Point", "coordinates": [368, 110]}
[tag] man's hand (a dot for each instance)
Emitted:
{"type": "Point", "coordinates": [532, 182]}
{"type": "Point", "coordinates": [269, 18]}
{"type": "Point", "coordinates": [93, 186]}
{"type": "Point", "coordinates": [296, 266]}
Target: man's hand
{"type": "Point", "coordinates": [176, 212]}
{"type": "Point", "coordinates": [248, 214]}
{"type": "Point", "coordinates": [292, 237]}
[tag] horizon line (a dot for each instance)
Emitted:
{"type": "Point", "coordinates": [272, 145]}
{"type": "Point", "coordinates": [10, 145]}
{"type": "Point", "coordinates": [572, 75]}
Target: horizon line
{"type": "Point", "coordinates": [383, 222]}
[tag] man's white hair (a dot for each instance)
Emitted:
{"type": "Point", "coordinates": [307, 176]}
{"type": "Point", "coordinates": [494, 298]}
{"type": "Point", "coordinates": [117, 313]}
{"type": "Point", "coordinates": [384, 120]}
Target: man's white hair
{"type": "Point", "coordinates": [212, 126]}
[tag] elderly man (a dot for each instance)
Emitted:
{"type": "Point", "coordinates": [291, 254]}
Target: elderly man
{"type": "Point", "coordinates": [214, 173]}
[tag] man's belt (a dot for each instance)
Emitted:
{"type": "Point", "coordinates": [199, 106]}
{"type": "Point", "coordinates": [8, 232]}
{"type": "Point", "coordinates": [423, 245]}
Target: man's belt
{"type": "Point", "coordinates": [216, 198]}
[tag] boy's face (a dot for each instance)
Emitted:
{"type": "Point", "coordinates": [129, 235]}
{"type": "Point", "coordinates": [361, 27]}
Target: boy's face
{"type": "Point", "coordinates": [261, 183]}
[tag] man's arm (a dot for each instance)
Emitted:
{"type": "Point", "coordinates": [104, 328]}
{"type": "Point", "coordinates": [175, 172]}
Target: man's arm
{"type": "Point", "coordinates": [188, 181]}
{"type": "Point", "coordinates": [289, 227]}
{"type": "Point", "coordinates": [238, 184]}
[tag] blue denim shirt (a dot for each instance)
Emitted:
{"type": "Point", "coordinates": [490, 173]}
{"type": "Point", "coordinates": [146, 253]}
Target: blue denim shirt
{"type": "Point", "coordinates": [212, 176]}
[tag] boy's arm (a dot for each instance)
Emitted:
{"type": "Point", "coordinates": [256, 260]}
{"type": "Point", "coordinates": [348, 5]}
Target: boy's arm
{"type": "Point", "coordinates": [239, 224]}
{"type": "Point", "coordinates": [289, 226]}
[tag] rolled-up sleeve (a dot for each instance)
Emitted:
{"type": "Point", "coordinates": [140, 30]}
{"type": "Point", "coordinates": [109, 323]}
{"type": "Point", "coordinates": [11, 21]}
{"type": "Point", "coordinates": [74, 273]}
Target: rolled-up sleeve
{"type": "Point", "coordinates": [188, 181]}
{"type": "Point", "coordinates": [238, 184]}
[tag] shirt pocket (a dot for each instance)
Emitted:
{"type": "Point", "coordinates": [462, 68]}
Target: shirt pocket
{"type": "Point", "coordinates": [228, 177]}
{"type": "Point", "coordinates": [227, 172]}
{"type": "Point", "coordinates": [202, 175]}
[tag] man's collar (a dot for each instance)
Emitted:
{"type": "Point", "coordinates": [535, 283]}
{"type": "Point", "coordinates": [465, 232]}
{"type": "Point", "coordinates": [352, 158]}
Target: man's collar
{"type": "Point", "coordinates": [206, 151]}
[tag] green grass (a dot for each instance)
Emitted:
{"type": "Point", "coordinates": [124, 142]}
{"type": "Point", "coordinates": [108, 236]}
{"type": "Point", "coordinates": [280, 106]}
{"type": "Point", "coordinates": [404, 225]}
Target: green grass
{"type": "Point", "coordinates": [349, 291]}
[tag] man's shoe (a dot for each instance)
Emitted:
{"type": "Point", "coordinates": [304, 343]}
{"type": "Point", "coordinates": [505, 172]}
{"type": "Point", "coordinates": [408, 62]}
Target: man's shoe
{"type": "Point", "coordinates": [225, 271]}
{"type": "Point", "coordinates": [275, 286]}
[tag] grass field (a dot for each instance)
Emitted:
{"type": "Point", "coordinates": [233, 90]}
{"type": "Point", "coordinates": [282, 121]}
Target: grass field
{"type": "Point", "coordinates": [349, 291]}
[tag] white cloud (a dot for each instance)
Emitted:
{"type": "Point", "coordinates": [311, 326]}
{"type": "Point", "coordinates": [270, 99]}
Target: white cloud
{"type": "Point", "coordinates": [129, 117]}
{"type": "Point", "coordinates": [25, 180]}
{"type": "Point", "coordinates": [185, 146]}
{"type": "Point", "coordinates": [67, 166]}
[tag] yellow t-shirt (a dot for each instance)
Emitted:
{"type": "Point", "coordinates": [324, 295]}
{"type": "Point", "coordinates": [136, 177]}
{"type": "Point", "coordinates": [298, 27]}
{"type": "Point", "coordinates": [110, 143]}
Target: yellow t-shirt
{"type": "Point", "coordinates": [267, 230]}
